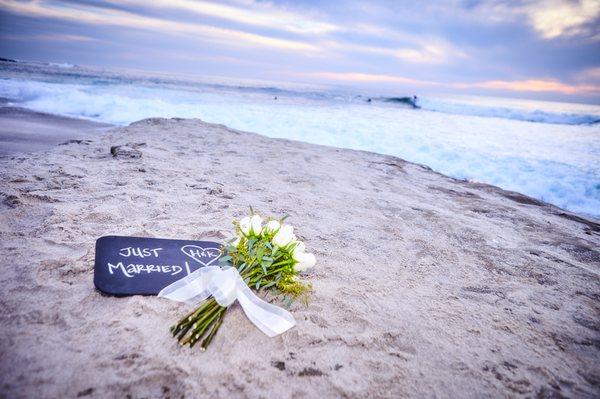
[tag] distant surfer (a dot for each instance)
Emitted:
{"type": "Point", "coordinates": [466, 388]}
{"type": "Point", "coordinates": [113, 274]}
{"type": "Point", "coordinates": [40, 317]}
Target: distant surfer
{"type": "Point", "coordinates": [414, 102]}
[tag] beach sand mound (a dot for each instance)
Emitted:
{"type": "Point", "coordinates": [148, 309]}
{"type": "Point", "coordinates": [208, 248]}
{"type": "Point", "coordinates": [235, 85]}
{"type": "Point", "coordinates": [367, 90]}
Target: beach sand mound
{"type": "Point", "coordinates": [424, 286]}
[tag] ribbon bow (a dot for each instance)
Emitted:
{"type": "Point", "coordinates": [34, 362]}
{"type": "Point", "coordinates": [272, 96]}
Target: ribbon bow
{"type": "Point", "coordinates": [226, 285]}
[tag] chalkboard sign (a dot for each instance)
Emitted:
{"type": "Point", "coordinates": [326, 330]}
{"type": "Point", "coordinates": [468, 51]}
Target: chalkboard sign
{"type": "Point", "coordinates": [144, 266]}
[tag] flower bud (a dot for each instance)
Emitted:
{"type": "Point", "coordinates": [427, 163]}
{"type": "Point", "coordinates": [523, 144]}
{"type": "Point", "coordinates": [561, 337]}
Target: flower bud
{"type": "Point", "coordinates": [284, 236]}
{"type": "Point", "coordinates": [272, 226]}
{"type": "Point", "coordinates": [245, 225]}
{"type": "Point", "coordinates": [305, 261]}
{"type": "Point", "coordinates": [298, 248]}
{"type": "Point", "coordinates": [256, 223]}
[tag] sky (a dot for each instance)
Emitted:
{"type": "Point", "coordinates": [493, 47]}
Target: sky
{"type": "Point", "coordinates": [529, 49]}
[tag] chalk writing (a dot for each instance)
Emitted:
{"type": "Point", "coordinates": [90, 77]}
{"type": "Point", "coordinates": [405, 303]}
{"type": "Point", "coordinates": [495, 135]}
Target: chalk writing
{"type": "Point", "coordinates": [139, 252]}
{"type": "Point", "coordinates": [202, 255]}
{"type": "Point", "coordinates": [132, 269]}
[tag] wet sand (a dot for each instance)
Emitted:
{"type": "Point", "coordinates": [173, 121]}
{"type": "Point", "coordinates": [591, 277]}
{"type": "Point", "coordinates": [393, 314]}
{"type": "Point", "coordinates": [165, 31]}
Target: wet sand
{"type": "Point", "coordinates": [23, 130]}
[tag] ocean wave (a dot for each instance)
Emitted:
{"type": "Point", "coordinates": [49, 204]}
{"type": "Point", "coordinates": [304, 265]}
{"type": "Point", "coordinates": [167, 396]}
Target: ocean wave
{"type": "Point", "coordinates": [409, 101]}
{"type": "Point", "coordinates": [535, 115]}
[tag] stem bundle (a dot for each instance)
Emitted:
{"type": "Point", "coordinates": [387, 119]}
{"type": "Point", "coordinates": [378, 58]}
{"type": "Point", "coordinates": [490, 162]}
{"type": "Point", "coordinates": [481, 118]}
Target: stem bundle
{"type": "Point", "coordinates": [194, 325]}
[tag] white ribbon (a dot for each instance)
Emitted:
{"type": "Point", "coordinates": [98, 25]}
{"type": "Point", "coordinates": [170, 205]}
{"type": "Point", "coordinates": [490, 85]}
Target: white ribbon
{"type": "Point", "coordinates": [226, 285]}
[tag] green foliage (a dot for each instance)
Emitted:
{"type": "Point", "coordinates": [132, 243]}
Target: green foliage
{"type": "Point", "coordinates": [265, 266]}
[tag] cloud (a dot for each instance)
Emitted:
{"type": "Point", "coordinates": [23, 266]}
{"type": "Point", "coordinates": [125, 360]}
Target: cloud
{"type": "Point", "coordinates": [51, 37]}
{"type": "Point", "coordinates": [535, 85]}
{"type": "Point", "coordinates": [415, 49]}
{"type": "Point", "coordinates": [427, 54]}
{"type": "Point", "coordinates": [125, 19]}
{"type": "Point", "coordinates": [358, 77]}
{"type": "Point", "coordinates": [589, 75]}
{"type": "Point", "coordinates": [420, 49]}
{"type": "Point", "coordinates": [530, 85]}
{"type": "Point", "coordinates": [252, 13]}
{"type": "Point", "coordinates": [550, 19]}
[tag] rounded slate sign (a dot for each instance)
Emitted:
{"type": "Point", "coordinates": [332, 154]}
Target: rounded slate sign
{"type": "Point", "coordinates": [144, 266]}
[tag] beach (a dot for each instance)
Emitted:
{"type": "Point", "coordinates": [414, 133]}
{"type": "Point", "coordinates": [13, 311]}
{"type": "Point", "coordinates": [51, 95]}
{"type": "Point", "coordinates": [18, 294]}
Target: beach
{"type": "Point", "coordinates": [425, 285]}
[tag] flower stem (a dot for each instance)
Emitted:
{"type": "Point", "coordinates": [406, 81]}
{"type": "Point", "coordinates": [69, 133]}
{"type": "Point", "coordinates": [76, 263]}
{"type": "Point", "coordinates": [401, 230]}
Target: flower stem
{"type": "Point", "coordinates": [184, 331]}
{"type": "Point", "coordinates": [213, 331]}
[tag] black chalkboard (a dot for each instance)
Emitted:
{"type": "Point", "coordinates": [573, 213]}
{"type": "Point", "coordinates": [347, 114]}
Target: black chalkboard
{"type": "Point", "coordinates": [144, 266]}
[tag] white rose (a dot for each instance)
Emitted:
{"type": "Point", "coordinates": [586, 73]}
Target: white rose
{"type": "Point", "coordinates": [284, 236]}
{"type": "Point", "coordinates": [245, 225]}
{"type": "Point", "coordinates": [272, 226]}
{"type": "Point", "coordinates": [305, 261]}
{"type": "Point", "coordinates": [256, 222]}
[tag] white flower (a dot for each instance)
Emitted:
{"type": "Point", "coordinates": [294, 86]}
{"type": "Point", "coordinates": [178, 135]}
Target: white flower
{"type": "Point", "coordinates": [245, 225]}
{"type": "Point", "coordinates": [305, 261]}
{"type": "Point", "coordinates": [284, 236]}
{"type": "Point", "coordinates": [256, 222]}
{"type": "Point", "coordinates": [272, 226]}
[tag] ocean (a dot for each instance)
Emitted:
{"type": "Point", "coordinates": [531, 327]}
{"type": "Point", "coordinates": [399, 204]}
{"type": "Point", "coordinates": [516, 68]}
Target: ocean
{"type": "Point", "coordinates": [547, 150]}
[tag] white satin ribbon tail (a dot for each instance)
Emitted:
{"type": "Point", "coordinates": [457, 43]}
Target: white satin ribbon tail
{"type": "Point", "coordinates": [226, 286]}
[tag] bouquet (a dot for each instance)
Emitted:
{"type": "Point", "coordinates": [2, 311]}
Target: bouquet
{"type": "Point", "coordinates": [266, 256]}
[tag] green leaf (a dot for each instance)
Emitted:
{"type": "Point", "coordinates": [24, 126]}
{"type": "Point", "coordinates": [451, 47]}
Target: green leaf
{"type": "Point", "coordinates": [224, 258]}
{"type": "Point", "coordinates": [272, 283]}
{"type": "Point", "coordinates": [257, 286]}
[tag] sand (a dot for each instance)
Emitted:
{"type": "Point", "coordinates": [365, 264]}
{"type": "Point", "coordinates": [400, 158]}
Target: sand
{"type": "Point", "coordinates": [23, 130]}
{"type": "Point", "coordinates": [425, 286]}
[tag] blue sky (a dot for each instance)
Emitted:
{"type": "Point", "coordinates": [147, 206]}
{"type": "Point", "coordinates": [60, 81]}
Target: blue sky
{"type": "Point", "coordinates": [533, 49]}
